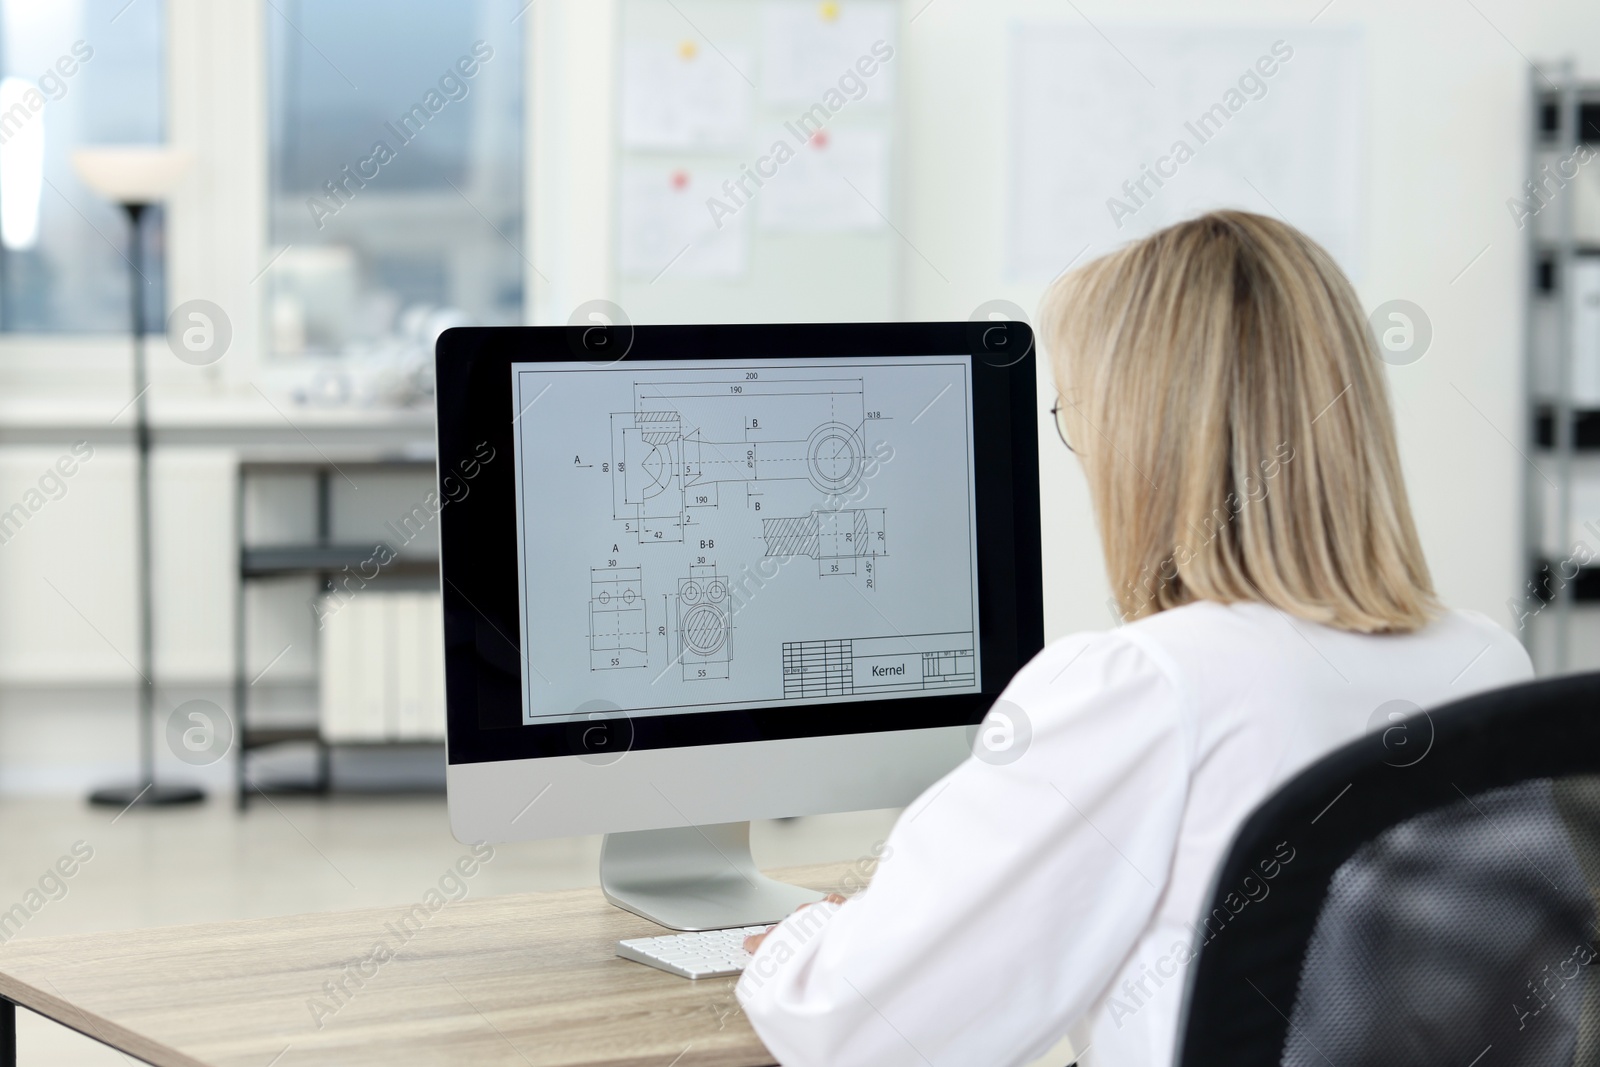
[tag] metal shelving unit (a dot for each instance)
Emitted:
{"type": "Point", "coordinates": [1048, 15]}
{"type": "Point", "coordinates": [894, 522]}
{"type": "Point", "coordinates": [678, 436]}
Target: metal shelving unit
{"type": "Point", "coordinates": [1562, 432]}
{"type": "Point", "coordinates": [323, 559]}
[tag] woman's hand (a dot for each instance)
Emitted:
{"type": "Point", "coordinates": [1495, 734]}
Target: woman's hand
{"type": "Point", "coordinates": [753, 942]}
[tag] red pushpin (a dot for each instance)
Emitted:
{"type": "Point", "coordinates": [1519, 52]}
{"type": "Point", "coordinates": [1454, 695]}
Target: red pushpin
{"type": "Point", "coordinates": [819, 139]}
{"type": "Point", "coordinates": [680, 179]}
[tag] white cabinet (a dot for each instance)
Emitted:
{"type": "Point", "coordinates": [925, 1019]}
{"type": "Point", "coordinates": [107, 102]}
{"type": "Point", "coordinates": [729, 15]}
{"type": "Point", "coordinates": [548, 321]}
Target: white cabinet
{"type": "Point", "coordinates": [193, 535]}
{"type": "Point", "coordinates": [68, 595]}
{"type": "Point", "coordinates": [67, 586]}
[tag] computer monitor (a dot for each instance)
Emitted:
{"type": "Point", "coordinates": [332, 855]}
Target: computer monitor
{"type": "Point", "coordinates": [697, 575]}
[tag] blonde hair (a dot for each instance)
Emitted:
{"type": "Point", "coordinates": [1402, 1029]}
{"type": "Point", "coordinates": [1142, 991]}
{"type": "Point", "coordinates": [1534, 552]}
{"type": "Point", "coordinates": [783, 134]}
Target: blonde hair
{"type": "Point", "coordinates": [1223, 391]}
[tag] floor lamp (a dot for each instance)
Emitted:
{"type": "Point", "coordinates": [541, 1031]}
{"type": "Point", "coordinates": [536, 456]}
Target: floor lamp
{"type": "Point", "coordinates": [135, 177]}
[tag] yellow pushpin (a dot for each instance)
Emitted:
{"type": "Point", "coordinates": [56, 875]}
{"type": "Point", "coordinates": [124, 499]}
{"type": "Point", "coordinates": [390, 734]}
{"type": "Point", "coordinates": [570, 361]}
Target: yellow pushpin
{"type": "Point", "coordinates": [829, 11]}
{"type": "Point", "coordinates": [687, 49]}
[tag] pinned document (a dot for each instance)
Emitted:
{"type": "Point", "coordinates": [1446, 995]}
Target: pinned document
{"type": "Point", "coordinates": [837, 182]}
{"type": "Point", "coordinates": [677, 95]}
{"type": "Point", "coordinates": [806, 47]}
{"type": "Point", "coordinates": [667, 232]}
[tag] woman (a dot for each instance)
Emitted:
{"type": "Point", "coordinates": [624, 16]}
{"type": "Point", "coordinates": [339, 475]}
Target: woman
{"type": "Point", "coordinates": [1219, 385]}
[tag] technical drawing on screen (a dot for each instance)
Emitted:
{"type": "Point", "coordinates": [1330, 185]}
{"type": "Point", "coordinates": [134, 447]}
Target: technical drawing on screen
{"type": "Point", "coordinates": [701, 535]}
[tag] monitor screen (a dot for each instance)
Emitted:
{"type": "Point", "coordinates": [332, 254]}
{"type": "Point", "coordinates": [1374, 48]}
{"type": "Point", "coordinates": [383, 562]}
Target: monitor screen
{"type": "Point", "coordinates": [710, 535]}
{"type": "Point", "coordinates": [732, 533]}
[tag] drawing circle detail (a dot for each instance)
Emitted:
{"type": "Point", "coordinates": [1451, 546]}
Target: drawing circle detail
{"type": "Point", "coordinates": [715, 592]}
{"type": "Point", "coordinates": [605, 597]}
{"type": "Point", "coordinates": [833, 458]}
{"type": "Point", "coordinates": [627, 596]}
{"type": "Point", "coordinates": [690, 593]}
{"type": "Point", "coordinates": [704, 630]}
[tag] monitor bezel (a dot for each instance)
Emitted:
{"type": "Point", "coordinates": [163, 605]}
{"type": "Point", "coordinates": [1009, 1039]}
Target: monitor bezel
{"type": "Point", "coordinates": [478, 548]}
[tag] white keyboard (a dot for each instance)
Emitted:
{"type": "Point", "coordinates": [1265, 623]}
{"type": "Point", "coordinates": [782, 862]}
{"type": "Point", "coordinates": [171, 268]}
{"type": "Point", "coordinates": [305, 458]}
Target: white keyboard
{"type": "Point", "coordinates": [703, 954]}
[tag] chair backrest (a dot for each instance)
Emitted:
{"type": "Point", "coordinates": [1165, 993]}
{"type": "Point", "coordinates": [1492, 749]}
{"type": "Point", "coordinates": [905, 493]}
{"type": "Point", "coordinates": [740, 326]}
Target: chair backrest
{"type": "Point", "coordinates": [1425, 895]}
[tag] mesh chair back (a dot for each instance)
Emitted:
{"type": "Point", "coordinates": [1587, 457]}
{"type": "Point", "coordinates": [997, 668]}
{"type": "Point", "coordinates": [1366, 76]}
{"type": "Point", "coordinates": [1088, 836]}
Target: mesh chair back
{"type": "Point", "coordinates": [1438, 904]}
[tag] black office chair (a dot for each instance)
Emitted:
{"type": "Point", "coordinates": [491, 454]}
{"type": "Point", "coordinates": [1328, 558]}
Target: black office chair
{"type": "Point", "coordinates": [1425, 895]}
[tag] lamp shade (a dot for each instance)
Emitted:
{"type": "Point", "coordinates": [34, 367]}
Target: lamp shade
{"type": "Point", "coordinates": [132, 174]}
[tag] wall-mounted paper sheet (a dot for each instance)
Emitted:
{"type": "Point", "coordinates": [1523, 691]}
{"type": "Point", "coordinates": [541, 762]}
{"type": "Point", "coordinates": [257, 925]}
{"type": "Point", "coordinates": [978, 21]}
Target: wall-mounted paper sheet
{"type": "Point", "coordinates": [807, 47]}
{"type": "Point", "coordinates": [838, 181]}
{"type": "Point", "coordinates": [666, 231]}
{"type": "Point", "coordinates": [679, 95]}
{"type": "Point", "coordinates": [1116, 136]}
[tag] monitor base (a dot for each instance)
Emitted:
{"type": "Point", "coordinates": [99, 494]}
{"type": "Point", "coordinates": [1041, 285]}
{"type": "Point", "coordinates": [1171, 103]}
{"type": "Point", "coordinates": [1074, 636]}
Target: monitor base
{"type": "Point", "coordinates": [694, 878]}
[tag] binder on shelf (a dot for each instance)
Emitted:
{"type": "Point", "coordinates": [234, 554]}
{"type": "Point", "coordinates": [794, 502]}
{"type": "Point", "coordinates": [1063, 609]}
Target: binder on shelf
{"type": "Point", "coordinates": [432, 658]}
{"type": "Point", "coordinates": [1586, 332]}
{"type": "Point", "coordinates": [337, 640]}
{"type": "Point", "coordinates": [405, 612]}
{"type": "Point", "coordinates": [383, 668]}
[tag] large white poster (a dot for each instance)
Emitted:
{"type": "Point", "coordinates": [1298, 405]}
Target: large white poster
{"type": "Point", "coordinates": [1117, 134]}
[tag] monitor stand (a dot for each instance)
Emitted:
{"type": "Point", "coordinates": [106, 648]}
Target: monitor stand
{"type": "Point", "coordinates": [694, 878]}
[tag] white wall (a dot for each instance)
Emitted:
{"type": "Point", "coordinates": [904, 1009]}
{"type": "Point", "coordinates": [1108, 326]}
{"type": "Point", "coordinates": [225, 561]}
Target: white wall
{"type": "Point", "coordinates": [1446, 116]}
{"type": "Point", "coordinates": [1446, 109]}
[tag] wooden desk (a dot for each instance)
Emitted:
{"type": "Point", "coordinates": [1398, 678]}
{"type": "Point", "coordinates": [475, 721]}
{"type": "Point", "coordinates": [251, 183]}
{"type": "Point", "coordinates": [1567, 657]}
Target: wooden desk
{"type": "Point", "coordinates": [514, 981]}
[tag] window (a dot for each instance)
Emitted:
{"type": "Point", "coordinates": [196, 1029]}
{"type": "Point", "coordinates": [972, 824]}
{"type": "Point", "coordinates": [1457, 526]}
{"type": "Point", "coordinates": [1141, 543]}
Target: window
{"type": "Point", "coordinates": [74, 73]}
{"type": "Point", "coordinates": [396, 182]}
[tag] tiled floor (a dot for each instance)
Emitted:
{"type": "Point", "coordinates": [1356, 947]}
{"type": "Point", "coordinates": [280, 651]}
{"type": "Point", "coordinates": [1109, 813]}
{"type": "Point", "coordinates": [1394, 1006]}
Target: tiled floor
{"type": "Point", "coordinates": [160, 867]}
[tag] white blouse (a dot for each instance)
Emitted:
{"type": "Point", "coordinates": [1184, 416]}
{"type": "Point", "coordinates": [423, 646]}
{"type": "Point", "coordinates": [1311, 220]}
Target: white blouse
{"type": "Point", "coordinates": [1015, 900]}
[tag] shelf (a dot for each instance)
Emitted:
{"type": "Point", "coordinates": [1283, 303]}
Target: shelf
{"type": "Point", "coordinates": [395, 742]}
{"type": "Point", "coordinates": [375, 460]}
{"type": "Point", "coordinates": [1566, 114]}
{"type": "Point", "coordinates": [1546, 249]}
{"type": "Point", "coordinates": [1588, 119]}
{"type": "Point", "coordinates": [313, 559]}
{"type": "Point", "coordinates": [308, 789]}
{"type": "Point", "coordinates": [1585, 587]}
{"type": "Point", "coordinates": [278, 735]}
{"type": "Point", "coordinates": [323, 558]}
{"type": "Point", "coordinates": [1585, 428]}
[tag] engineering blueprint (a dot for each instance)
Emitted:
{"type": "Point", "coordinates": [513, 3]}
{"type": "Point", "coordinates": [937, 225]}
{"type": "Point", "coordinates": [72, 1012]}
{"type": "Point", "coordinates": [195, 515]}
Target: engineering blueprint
{"type": "Point", "coordinates": [703, 535]}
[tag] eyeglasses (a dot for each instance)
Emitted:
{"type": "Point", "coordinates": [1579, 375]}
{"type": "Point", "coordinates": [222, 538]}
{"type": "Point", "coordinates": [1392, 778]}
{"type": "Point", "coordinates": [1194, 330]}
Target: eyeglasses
{"type": "Point", "coordinates": [1056, 411]}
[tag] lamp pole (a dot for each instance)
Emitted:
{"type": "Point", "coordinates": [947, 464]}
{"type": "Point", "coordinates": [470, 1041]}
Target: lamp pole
{"type": "Point", "coordinates": [145, 790]}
